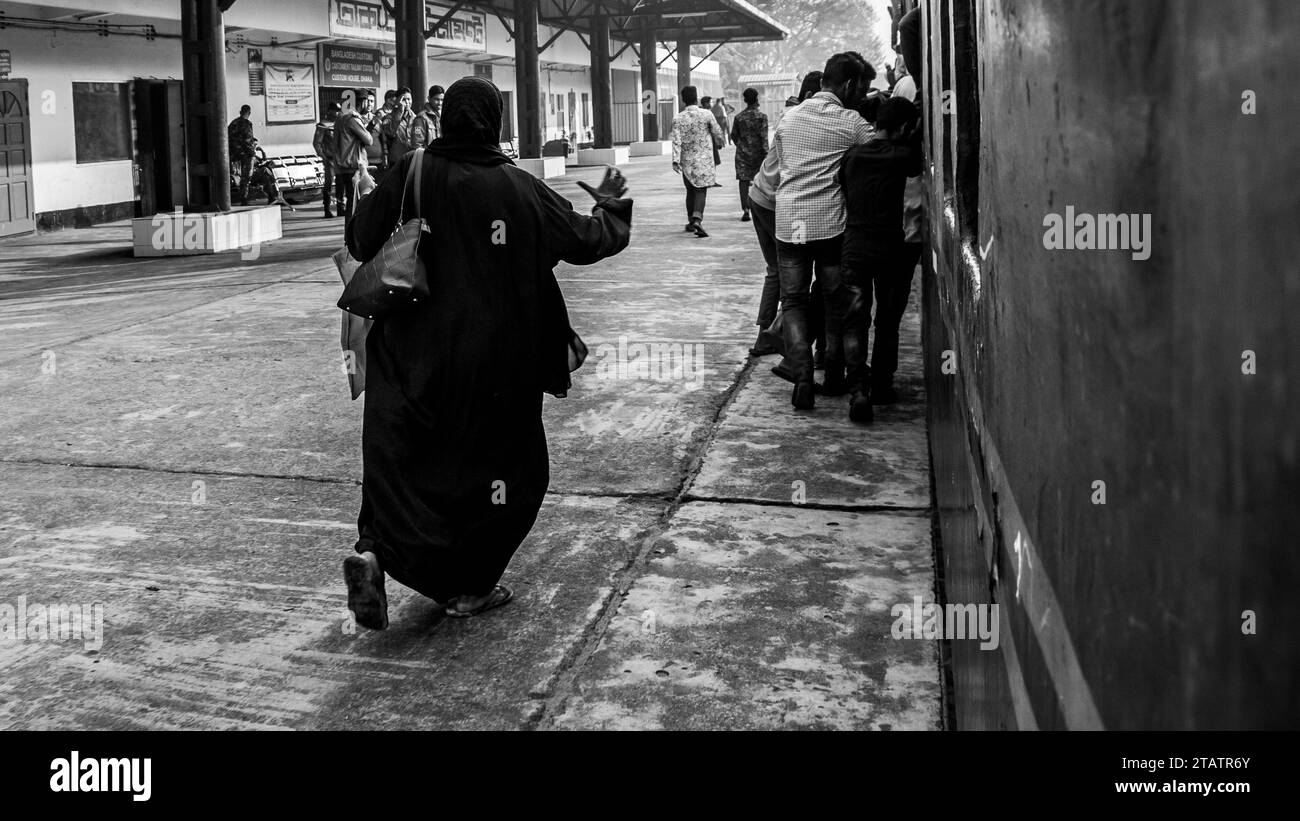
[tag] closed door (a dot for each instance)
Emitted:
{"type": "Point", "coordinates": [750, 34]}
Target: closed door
{"type": "Point", "coordinates": [17, 211]}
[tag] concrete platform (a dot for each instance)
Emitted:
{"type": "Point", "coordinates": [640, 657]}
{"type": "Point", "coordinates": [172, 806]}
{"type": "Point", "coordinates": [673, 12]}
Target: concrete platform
{"type": "Point", "coordinates": [618, 155]}
{"type": "Point", "coordinates": [543, 167]}
{"type": "Point", "coordinates": [761, 449]}
{"type": "Point", "coordinates": [767, 618]}
{"type": "Point", "coordinates": [653, 148]}
{"type": "Point", "coordinates": [228, 614]}
{"type": "Point", "coordinates": [131, 379]}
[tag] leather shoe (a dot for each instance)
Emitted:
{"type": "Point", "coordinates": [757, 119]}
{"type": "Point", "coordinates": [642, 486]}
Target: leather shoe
{"type": "Point", "coordinates": [802, 396]}
{"type": "Point", "coordinates": [860, 409]}
{"type": "Point", "coordinates": [783, 371]}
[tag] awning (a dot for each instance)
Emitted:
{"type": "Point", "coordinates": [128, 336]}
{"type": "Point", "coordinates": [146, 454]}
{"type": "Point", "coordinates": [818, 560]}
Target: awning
{"type": "Point", "coordinates": [702, 21]}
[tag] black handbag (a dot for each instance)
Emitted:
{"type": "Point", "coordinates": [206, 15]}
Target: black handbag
{"type": "Point", "coordinates": [395, 278]}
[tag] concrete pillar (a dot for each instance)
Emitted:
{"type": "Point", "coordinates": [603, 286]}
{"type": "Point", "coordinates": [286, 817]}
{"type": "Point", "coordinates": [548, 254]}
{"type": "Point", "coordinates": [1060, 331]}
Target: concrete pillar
{"type": "Point", "coordinates": [683, 64]}
{"type": "Point", "coordinates": [528, 80]}
{"type": "Point", "coordinates": [602, 84]}
{"type": "Point", "coordinates": [412, 60]}
{"type": "Point", "coordinates": [207, 148]}
{"type": "Point", "coordinates": [649, 82]}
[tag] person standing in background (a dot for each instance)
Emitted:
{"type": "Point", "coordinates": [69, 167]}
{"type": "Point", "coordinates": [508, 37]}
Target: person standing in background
{"type": "Point", "coordinates": [243, 147]}
{"type": "Point", "coordinates": [352, 139]}
{"type": "Point", "coordinates": [696, 138]}
{"type": "Point", "coordinates": [398, 127]}
{"type": "Point", "coordinates": [749, 135]}
{"type": "Point", "coordinates": [428, 123]}
{"type": "Point", "coordinates": [721, 112]}
{"type": "Point", "coordinates": [378, 153]}
{"type": "Point", "coordinates": [812, 83]}
{"type": "Point", "coordinates": [762, 203]}
{"type": "Point", "coordinates": [323, 143]}
{"type": "Point", "coordinates": [706, 105]}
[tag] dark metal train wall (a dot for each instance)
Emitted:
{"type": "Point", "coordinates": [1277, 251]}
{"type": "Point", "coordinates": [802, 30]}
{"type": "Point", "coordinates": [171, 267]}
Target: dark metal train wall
{"type": "Point", "coordinates": [1110, 300]}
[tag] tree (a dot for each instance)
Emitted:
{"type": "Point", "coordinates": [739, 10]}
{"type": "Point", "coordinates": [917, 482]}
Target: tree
{"type": "Point", "coordinates": [818, 29]}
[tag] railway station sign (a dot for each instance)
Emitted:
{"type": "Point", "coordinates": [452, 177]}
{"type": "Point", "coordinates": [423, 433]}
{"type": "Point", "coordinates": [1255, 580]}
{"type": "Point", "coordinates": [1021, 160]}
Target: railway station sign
{"type": "Point", "coordinates": [364, 20]}
{"type": "Point", "coordinates": [349, 66]}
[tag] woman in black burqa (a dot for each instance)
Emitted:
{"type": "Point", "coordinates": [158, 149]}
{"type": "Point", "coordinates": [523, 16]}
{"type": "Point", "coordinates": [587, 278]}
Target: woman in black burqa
{"type": "Point", "coordinates": [455, 460]}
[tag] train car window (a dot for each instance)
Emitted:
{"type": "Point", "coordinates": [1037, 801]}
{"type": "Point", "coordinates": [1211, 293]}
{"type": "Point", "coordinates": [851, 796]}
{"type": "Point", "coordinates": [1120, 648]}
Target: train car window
{"type": "Point", "coordinates": [965, 151]}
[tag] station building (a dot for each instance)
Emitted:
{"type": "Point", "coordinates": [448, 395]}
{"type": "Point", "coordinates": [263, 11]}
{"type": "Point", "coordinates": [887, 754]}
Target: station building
{"type": "Point", "coordinates": [92, 104]}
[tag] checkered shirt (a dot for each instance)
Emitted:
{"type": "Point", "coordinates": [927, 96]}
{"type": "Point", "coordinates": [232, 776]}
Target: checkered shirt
{"type": "Point", "coordinates": [811, 140]}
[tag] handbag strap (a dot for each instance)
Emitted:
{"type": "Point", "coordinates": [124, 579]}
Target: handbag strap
{"type": "Point", "coordinates": [413, 178]}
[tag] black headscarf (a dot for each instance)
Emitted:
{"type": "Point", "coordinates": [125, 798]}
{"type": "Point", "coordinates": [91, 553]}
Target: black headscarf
{"type": "Point", "coordinates": [471, 123]}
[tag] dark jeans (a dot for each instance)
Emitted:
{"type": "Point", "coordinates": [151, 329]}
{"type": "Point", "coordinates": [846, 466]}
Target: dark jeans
{"type": "Point", "coordinates": [891, 275]}
{"type": "Point", "coordinates": [765, 226]}
{"type": "Point", "coordinates": [328, 188]}
{"type": "Point", "coordinates": [245, 167]}
{"type": "Point", "coordinates": [797, 263]}
{"type": "Point", "coordinates": [695, 197]}
{"type": "Point", "coordinates": [346, 181]}
{"type": "Point", "coordinates": [817, 317]}
{"type": "Point", "coordinates": [744, 195]}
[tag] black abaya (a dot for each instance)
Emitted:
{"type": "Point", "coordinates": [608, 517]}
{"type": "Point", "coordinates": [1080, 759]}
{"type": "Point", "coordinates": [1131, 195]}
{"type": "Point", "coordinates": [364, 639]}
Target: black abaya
{"type": "Point", "coordinates": [455, 458]}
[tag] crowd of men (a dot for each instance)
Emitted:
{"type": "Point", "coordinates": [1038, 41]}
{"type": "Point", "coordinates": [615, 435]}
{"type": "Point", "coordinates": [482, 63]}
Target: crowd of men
{"type": "Point", "coordinates": [836, 204]}
{"type": "Point", "coordinates": [356, 144]}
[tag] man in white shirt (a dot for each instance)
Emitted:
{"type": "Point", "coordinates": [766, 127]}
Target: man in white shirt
{"type": "Point", "coordinates": [811, 140]}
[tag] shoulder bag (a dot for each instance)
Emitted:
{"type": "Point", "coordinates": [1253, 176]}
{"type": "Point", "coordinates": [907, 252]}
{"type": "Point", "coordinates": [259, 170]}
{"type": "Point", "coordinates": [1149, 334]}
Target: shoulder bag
{"type": "Point", "coordinates": [395, 278]}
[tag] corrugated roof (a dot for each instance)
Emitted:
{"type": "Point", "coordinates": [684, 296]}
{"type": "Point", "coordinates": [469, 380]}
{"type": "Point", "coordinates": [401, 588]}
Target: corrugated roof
{"type": "Point", "coordinates": [767, 78]}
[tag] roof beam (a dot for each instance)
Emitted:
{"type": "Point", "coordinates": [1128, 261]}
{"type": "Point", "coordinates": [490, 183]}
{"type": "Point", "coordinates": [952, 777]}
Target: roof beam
{"type": "Point", "coordinates": [431, 30]}
{"type": "Point", "coordinates": [710, 54]}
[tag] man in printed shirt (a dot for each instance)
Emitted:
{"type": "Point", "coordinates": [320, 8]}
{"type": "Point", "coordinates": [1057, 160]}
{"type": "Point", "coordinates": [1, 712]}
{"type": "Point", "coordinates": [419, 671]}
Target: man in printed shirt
{"type": "Point", "coordinates": [695, 135]}
{"type": "Point", "coordinates": [811, 140]}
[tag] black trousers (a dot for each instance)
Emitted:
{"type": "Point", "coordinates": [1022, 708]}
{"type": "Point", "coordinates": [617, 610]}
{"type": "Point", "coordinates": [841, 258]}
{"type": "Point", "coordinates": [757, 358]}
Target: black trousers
{"type": "Point", "coordinates": [345, 179]}
{"type": "Point", "coordinates": [744, 195]}
{"type": "Point", "coordinates": [890, 275]}
{"type": "Point", "coordinates": [695, 198]}
{"type": "Point", "coordinates": [328, 188]}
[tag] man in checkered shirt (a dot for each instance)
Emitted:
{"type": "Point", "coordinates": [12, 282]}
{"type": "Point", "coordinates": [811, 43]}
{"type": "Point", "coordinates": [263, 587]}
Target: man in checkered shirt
{"type": "Point", "coordinates": [811, 140]}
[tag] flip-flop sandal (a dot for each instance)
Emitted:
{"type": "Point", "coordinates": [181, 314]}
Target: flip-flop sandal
{"type": "Point", "coordinates": [366, 597]}
{"type": "Point", "coordinates": [499, 596]}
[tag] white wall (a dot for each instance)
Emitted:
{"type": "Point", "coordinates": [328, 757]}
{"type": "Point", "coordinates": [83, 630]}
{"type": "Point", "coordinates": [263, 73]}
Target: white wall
{"type": "Point", "coordinates": [51, 62]}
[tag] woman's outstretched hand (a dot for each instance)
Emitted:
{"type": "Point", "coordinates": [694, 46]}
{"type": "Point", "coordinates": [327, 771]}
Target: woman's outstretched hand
{"type": "Point", "coordinates": [612, 186]}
